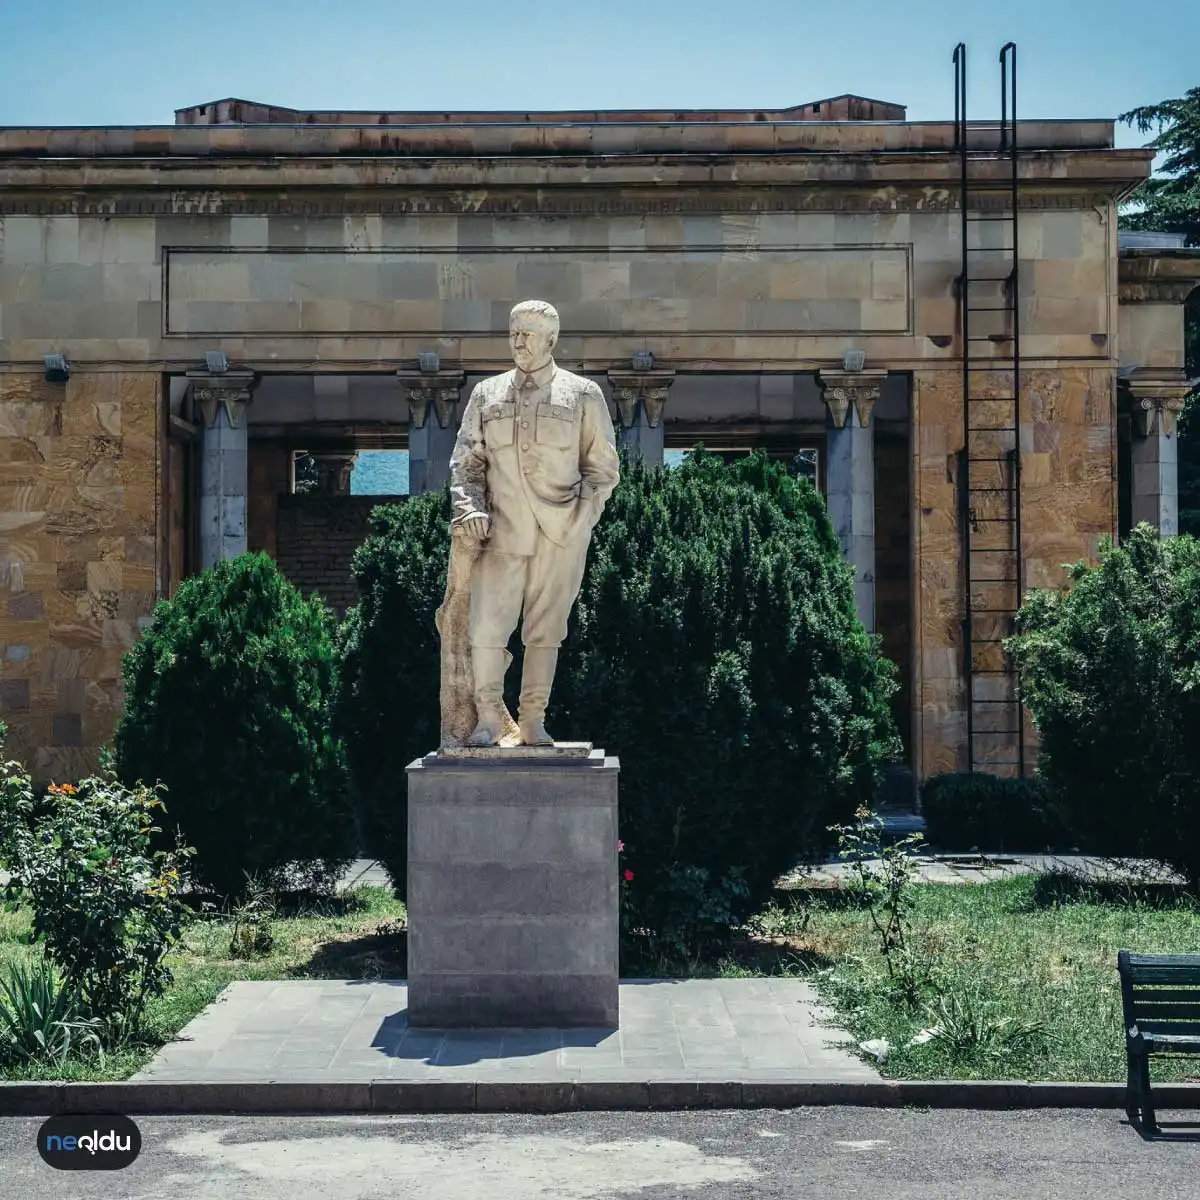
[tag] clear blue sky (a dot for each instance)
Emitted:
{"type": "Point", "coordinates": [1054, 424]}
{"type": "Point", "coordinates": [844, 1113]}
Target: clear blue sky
{"type": "Point", "coordinates": [133, 62]}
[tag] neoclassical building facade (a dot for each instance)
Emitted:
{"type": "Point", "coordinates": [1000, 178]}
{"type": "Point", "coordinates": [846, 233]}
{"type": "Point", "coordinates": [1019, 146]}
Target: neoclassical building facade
{"type": "Point", "coordinates": [183, 308]}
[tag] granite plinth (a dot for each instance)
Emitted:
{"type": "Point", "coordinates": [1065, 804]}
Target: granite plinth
{"type": "Point", "coordinates": [504, 753]}
{"type": "Point", "coordinates": [512, 888]}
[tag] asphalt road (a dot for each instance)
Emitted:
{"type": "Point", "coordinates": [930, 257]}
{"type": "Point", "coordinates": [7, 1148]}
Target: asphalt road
{"type": "Point", "coordinates": [798, 1154]}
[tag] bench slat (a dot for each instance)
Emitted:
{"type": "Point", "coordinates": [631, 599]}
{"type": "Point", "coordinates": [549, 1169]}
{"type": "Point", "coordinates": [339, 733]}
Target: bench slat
{"type": "Point", "coordinates": [1164, 960]}
{"type": "Point", "coordinates": [1175, 975]}
{"type": "Point", "coordinates": [1165, 994]}
{"type": "Point", "coordinates": [1169, 1011]}
{"type": "Point", "coordinates": [1170, 1029]}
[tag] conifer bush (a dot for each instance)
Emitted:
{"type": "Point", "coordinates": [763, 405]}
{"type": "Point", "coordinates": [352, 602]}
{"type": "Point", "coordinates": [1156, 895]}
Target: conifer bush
{"type": "Point", "coordinates": [226, 704]}
{"type": "Point", "coordinates": [1110, 672]}
{"type": "Point", "coordinates": [714, 648]}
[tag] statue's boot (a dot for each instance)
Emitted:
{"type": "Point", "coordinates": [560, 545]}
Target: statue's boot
{"type": "Point", "coordinates": [536, 678]}
{"type": "Point", "coordinates": [488, 665]}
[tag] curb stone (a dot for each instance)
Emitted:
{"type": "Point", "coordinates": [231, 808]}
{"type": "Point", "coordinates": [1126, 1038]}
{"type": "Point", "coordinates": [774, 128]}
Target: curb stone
{"type": "Point", "coordinates": [389, 1096]}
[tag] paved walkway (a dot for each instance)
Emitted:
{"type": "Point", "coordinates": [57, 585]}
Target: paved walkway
{"type": "Point", "coordinates": [939, 868]}
{"type": "Point", "coordinates": [747, 1030]}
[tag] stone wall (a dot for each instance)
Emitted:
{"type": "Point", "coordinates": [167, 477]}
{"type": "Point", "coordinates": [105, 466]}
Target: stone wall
{"type": "Point", "coordinates": [743, 291]}
{"type": "Point", "coordinates": [316, 537]}
{"type": "Point", "coordinates": [1068, 503]}
{"type": "Point", "coordinates": [79, 481]}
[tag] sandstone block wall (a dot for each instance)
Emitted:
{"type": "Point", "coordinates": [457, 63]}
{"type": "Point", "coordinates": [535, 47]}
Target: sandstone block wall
{"type": "Point", "coordinates": [1068, 503]}
{"type": "Point", "coordinates": [740, 290]}
{"type": "Point", "coordinates": [79, 557]}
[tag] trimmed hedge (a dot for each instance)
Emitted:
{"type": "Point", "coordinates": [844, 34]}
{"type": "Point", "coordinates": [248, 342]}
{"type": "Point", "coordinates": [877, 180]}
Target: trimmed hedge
{"type": "Point", "coordinates": [714, 648]}
{"type": "Point", "coordinates": [989, 812]}
{"type": "Point", "coordinates": [226, 703]}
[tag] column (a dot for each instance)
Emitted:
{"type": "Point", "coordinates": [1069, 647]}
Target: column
{"type": "Point", "coordinates": [221, 401]}
{"type": "Point", "coordinates": [1158, 399]}
{"type": "Point", "coordinates": [850, 476]}
{"type": "Point", "coordinates": [430, 443]}
{"type": "Point", "coordinates": [640, 397]}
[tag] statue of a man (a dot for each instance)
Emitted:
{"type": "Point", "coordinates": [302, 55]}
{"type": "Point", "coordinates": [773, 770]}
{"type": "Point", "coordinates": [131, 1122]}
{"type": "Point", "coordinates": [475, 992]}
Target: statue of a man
{"type": "Point", "coordinates": [534, 463]}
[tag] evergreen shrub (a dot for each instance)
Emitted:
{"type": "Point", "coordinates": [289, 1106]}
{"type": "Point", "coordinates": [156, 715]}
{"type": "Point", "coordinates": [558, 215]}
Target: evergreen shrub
{"type": "Point", "coordinates": [226, 704]}
{"type": "Point", "coordinates": [714, 648]}
{"type": "Point", "coordinates": [1110, 671]}
{"type": "Point", "coordinates": [989, 812]}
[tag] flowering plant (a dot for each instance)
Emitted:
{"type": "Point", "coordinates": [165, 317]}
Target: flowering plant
{"type": "Point", "coordinates": [106, 906]}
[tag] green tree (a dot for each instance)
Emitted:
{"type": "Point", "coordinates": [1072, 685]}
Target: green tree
{"type": "Point", "coordinates": [1169, 202]}
{"type": "Point", "coordinates": [714, 648]}
{"type": "Point", "coordinates": [1110, 671]}
{"type": "Point", "coordinates": [226, 703]}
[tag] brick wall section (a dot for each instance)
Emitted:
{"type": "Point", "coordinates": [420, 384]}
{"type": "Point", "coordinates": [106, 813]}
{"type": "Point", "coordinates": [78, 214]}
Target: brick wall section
{"type": "Point", "coordinates": [315, 541]}
{"type": "Point", "coordinates": [78, 558]}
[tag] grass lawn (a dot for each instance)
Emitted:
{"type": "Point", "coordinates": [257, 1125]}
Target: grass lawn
{"type": "Point", "coordinates": [356, 935]}
{"type": "Point", "coordinates": [1037, 950]}
{"type": "Point", "coordinates": [1040, 950]}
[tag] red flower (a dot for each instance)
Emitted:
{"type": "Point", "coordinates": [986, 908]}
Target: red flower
{"type": "Point", "coordinates": [628, 875]}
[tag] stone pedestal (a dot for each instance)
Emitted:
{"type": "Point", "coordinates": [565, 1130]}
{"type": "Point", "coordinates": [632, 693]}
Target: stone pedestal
{"type": "Point", "coordinates": [513, 888]}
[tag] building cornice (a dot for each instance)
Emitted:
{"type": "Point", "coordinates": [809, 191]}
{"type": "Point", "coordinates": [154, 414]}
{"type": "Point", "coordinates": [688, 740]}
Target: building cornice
{"type": "Point", "coordinates": [315, 200]}
{"type": "Point", "coordinates": [1167, 276]}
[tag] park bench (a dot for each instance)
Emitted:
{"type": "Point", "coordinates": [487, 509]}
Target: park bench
{"type": "Point", "coordinates": [1160, 995]}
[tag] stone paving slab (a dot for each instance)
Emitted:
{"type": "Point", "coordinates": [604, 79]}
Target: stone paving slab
{"type": "Point", "coordinates": [750, 1030]}
{"type": "Point", "coordinates": [940, 868]}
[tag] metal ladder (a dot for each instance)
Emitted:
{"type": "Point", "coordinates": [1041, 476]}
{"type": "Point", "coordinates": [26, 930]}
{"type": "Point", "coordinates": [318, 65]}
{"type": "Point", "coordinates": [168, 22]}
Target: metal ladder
{"type": "Point", "coordinates": [989, 476]}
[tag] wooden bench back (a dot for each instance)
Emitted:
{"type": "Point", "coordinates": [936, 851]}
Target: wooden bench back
{"type": "Point", "coordinates": [1161, 993]}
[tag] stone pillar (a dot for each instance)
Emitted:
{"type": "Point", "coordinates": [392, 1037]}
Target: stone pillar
{"type": "Point", "coordinates": [1158, 399]}
{"type": "Point", "coordinates": [220, 400]}
{"type": "Point", "coordinates": [640, 397]}
{"type": "Point", "coordinates": [850, 476]}
{"type": "Point", "coordinates": [430, 443]}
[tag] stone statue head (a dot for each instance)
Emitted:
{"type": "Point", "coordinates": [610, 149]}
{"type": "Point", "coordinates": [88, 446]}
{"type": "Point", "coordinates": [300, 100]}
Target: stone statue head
{"type": "Point", "coordinates": [532, 332]}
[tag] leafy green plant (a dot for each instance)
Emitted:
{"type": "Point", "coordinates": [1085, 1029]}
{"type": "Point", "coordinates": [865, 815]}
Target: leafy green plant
{"type": "Point", "coordinates": [969, 1026]}
{"type": "Point", "coordinates": [714, 647]}
{"type": "Point", "coordinates": [226, 704]}
{"type": "Point", "coordinates": [1110, 671]}
{"type": "Point", "coordinates": [41, 1020]}
{"type": "Point", "coordinates": [106, 905]}
{"type": "Point", "coordinates": [883, 873]}
{"type": "Point", "coordinates": [990, 812]}
{"type": "Point", "coordinates": [252, 936]}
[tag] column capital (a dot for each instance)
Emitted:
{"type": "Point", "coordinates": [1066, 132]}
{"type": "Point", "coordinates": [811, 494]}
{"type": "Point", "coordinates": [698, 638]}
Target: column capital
{"type": "Point", "coordinates": [647, 388]}
{"type": "Point", "coordinates": [229, 389]}
{"type": "Point", "coordinates": [840, 389]}
{"type": "Point", "coordinates": [1158, 399]}
{"type": "Point", "coordinates": [334, 468]}
{"type": "Point", "coordinates": [423, 388]}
